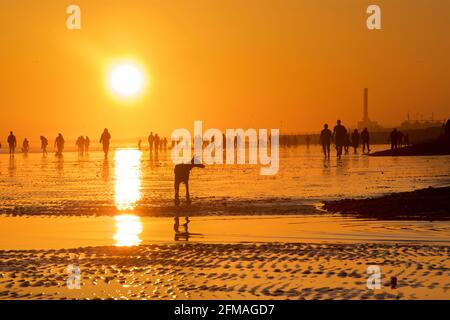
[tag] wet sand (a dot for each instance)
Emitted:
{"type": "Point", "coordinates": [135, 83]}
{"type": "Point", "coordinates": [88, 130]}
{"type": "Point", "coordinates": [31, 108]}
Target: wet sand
{"type": "Point", "coordinates": [78, 186]}
{"type": "Point", "coordinates": [236, 250]}
{"type": "Point", "coordinates": [25, 233]}
{"type": "Point", "coordinates": [228, 271]}
{"type": "Point", "coordinates": [225, 258]}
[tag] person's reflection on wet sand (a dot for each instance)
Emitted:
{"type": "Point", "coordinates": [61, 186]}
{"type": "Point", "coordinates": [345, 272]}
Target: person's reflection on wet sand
{"type": "Point", "coordinates": [12, 167]}
{"type": "Point", "coordinates": [60, 164]}
{"type": "Point", "coordinates": [105, 170]}
{"type": "Point", "coordinates": [184, 234]}
{"type": "Point", "coordinates": [326, 163]}
{"type": "Point", "coordinates": [342, 166]}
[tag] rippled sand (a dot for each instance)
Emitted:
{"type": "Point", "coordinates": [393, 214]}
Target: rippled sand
{"type": "Point", "coordinates": [228, 271]}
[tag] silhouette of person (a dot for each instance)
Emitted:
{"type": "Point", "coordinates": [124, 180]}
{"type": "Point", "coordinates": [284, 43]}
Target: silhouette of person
{"type": "Point", "coordinates": [308, 141]}
{"type": "Point", "coordinates": [139, 144]}
{"type": "Point", "coordinates": [447, 129]}
{"type": "Point", "coordinates": [80, 145]}
{"type": "Point", "coordinates": [12, 142]}
{"type": "Point", "coordinates": [87, 142]}
{"type": "Point", "coordinates": [340, 137]}
{"type": "Point", "coordinates": [25, 146]}
{"type": "Point", "coordinates": [394, 139]}
{"type": "Point", "coordinates": [355, 140]}
{"type": "Point", "coordinates": [182, 172]}
{"type": "Point", "coordinates": [365, 139]}
{"type": "Point", "coordinates": [44, 144]}
{"type": "Point", "coordinates": [400, 138]}
{"type": "Point", "coordinates": [156, 142]}
{"type": "Point", "coordinates": [104, 140]}
{"type": "Point", "coordinates": [59, 144]}
{"type": "Point", "coordinates": [151, 140]}
{"type": "Point", "coordinates": [325, 140]}
{"type": "Point", "coordinates": [347, 141]}
{"type": "Point", "coordinates": [165, 143]}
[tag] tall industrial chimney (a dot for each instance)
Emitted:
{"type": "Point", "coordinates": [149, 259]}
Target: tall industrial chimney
{"type": "Point", "coordinates": [366, 106]}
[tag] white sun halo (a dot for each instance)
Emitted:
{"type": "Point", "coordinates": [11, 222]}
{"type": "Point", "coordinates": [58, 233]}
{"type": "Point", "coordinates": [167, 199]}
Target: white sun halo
{"type": "Point", "coordinates": [126, 79]}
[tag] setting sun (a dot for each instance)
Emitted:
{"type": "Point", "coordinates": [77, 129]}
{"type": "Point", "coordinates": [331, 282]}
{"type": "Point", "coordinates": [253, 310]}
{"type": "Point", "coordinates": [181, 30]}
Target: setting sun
{"type": "Point", "coordinates": [126, 79]}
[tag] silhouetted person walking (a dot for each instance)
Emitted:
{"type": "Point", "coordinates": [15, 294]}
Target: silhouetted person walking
{"type": "Point", "coordinates": [325, 140]}
{"type": "Point", "coordinates": [80, 145]}
{"type": "Point", "coordinates": [12, 142]}
{"type": "Point", "coordinates": [156, 142]}
{"type": "Point", "coordinates": [308, 141]}
{"type": "Point", "coordinates": [365, 139]}
{"type": "Point", "coordinates": [447, 130]}
{"type": "Point", "coordinates": [394, 139]}
{"type": "Point", "coordinates": [44, 144]}
{"type": "Point", "coordinates": [348, 143]}
{"type": "Point", "coordinates": [87, 142]}
{"type": "Point", "coordinates": [25, 146]}
{"type": "Point", "coordinates": [151, 140]}
{"type": "Point", "coordinates": [59, 144]}
{"type": "Point", "coordinates": [182, 172]}
{"type": "Point", "coordinates": [104, 140]}
{"type": "Point", "coordinates": [399, 138]}
{"type": "Point", "coordinates": [355, 140]}
{"type": "Point", "coordinates": [340, 136]}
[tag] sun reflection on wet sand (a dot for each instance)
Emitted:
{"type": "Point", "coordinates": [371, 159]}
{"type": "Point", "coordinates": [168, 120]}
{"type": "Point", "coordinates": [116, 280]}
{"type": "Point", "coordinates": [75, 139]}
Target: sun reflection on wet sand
{"type": "Point", "coordinates": [127, 171]}
{"type": "Point", "coordinates": [129, 227]}
{"type": "Point", "coordinates": [127, 192]}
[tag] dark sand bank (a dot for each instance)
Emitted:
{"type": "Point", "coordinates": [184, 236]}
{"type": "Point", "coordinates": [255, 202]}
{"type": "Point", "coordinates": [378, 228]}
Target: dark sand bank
{"type": "Point", "coordinates": [434, 148]}
{"type": "Point", "coordinates": [423, 204]}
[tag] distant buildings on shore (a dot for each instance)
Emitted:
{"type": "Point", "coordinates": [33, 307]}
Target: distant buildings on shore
{"type": "Point", "coordinates": [366, 122]}
{"type": "Point", "coordinates": [408, 125]}
{"type": "Point", "coordinates": [417, 130]}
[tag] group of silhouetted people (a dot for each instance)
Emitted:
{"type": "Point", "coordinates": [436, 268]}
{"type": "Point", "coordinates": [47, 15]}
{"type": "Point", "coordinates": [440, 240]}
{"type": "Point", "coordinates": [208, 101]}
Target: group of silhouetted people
{"type": "Point", "coordinates": [398, 139]}
{"type": "Point", "coordinates": [82, 143]}
{"type": "Point", "coordinates": [12, 144]}
{"type": "Point", "coordinates": [155, 143]}
{"type": "Point", "coordinates": [343, 139]}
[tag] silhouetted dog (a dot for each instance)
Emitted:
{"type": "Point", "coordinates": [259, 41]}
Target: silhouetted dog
{"type": "Point", "coordinates": [182, 172]}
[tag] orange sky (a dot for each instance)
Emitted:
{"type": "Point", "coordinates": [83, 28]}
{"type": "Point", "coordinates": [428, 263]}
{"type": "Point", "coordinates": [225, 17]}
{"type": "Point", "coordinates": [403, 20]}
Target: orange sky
{"type": "Point", "coordinates": [250, 63]}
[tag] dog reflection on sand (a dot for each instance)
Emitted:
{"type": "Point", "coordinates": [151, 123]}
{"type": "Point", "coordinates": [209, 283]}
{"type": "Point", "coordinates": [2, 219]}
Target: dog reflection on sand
{"type": "Point", "coordinates": [183, 234]}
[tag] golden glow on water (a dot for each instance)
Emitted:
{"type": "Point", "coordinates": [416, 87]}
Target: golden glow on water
{"type": "Point", "coordinates": [127, 192]}
{"type": "Point", "coordinates": [129, 227]}
{"type": "Point", "coordinates": [127, 189]}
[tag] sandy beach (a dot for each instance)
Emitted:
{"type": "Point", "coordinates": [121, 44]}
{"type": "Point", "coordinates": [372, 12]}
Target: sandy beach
{"type": "Point", "coordinates": [111, 226]}
{"type": "Point", "coordinates": [223, 258]}
{"type": "Point", "coordinates": [228, 271]}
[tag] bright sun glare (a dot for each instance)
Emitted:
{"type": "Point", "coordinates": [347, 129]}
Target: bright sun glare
{"type": "Point", "coordinates": [126, 79]}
